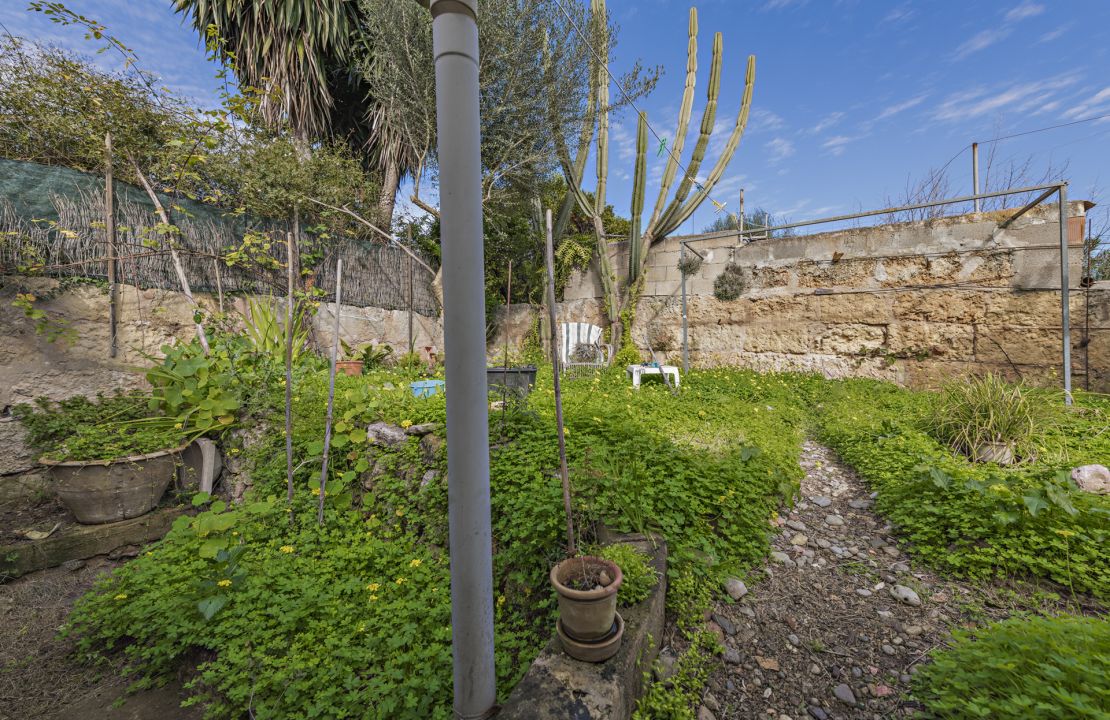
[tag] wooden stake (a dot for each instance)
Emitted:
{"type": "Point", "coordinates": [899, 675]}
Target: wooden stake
{"type": "Point", "coordinates": [289, 368]}
{"type": "Point", "coordinates": [331, 390]}
{"type": "Point", "coordinates": [572, 549]}
{"type": "Point", "coordinates": [178, 267]}
{"type": "Point", "coordinates": [411, 339]}
{"type": "Point", "coordinates": [219, 284]}
{"type": "Point", "coordinates": [110, 236]}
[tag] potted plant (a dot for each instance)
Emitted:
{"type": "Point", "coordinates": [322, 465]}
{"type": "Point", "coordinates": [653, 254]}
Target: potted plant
{"type": "Point", "coordinates": [357, 360]}
{"type": "Point", "coordinates": [589, 626]}
{"type": "Point", "coordinates": [351, 364]}
{"type": "Point", "coordinates": [107, 473]}
{"type": "Point", "coordinates": [990, 420]}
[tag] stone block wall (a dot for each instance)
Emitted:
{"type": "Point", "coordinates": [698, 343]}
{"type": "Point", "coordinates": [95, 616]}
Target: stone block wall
{"type": "Point", "coordinates": [915, 303]}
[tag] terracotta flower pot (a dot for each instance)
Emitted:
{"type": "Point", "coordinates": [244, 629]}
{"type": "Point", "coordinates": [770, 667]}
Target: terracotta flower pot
{"type": "Point", "coordinates": [586, 615]}
{"type": "Point", "coordinates": [101, 491]}
{"type": "Point", "coordinates": [350, 367]}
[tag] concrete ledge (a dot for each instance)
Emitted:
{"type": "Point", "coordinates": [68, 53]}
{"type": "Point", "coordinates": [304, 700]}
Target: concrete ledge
{"type": "Point", "coordinates": [78, 542]}
{"type": "Point", "coordinates": [558, 687]}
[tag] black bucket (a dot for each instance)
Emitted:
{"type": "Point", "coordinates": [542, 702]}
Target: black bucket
{"type": "Point", "coordinates": [517, 381]}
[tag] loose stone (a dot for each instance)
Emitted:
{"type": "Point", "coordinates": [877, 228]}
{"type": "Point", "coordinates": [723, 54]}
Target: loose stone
{"type": "Point", "coordinates": [821, 501]}
{"type": "Point", "coordinates": [735, 588]}
{"type": "Point", "coordinates": [905, 594]}
{"type": "Point", "coordinates": [888, 649]}
{"type": "Point", "coordinates": [844, 694]}
{"type": "Point", "coordinates": [726, 624]}
{"type": "Point", "coordinates": [796, 524]}
{"type": "Point", "coordinates": [799, 539]}
{"type": "Point", "coordinates": [732, 656]}
{"type": "Point", "coordinates": [834, 520]}
{"type": "Point", "coordinates": [860, 504]}
{"type": "Point", "coordinates": [817, 713]}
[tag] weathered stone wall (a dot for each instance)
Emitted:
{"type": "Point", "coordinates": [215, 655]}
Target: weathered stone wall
{"type": "Point", "coordinates": [915, 303]}
{"type": "Point", "coordinates": [32, 367]}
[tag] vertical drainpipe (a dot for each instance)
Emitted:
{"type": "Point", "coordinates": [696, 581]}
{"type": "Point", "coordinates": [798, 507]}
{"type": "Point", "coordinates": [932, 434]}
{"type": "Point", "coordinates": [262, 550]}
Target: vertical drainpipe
{"type": "Point", "coordinates": [455, 46]}
{"type": "Point", "coordinates": [1065, 301]}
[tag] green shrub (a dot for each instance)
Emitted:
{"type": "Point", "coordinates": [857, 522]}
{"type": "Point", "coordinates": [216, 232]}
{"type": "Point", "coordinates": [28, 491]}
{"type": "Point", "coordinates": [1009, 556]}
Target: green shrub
{"type": "Point", "coordinates": [50, 423]}
{"type": "Point", "coordinates": [639, 576]}
{"type": "Point", "coordinates": [972, 411]}
{"type": "Point", "coordinates": [730, 284]}
{"type": "Point", "coordinates": [1021, 669]}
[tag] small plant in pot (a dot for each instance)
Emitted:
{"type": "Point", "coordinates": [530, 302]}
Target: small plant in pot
{"type": "Point", "coordinates": [991, 420]}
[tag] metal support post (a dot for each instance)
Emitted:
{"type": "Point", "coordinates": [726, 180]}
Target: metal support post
{"type": "Point", "coordinates": [685, 340]}
{"type": "Point", "coordinates": [740, 216]}
{"type": "Point", "coordinates": [975, 173]}
{"type": "Point", "coordinates": [455, 47]}
{"type": "Point", "coordinates": [1065, 309]}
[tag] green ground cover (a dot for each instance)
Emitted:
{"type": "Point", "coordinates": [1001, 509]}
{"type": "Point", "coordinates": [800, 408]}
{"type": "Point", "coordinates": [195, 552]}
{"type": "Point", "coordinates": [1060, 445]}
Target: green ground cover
{"type": "Point", "coordinates": [287, 618]}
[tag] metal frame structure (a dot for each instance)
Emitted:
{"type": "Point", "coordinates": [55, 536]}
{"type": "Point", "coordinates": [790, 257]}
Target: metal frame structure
{"type": "Point", "coordinates": [1045, 191]}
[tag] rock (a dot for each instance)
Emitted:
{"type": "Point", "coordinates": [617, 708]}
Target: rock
{"type": "Point", "coordinates": [382, 433]}
{"type": "Point", "coordinates": [844, 694]}
{"type": "Point", "coordinates": [726, 624]}
{"type": "Point", "coordinates": [735, 588]}
{"type": "Point", "coordinates": [125, 552]}
{"type": "Point", "coordinates": [73, 565]}
{"type": "Point", "coordinates": [914, 630]}
{"type": "Point", "coordinates": [817, 713]}
{"type": "Point", "coordinates": [767, 663]}
{"type": "Point", "coordinates": [857, 672]}
{"type": "Point", "coordinates": [834, 520]}
{"type": "Point", "coordinates": [705, 713]}
{"type": "Point", "coordinates": [821, 501]}
{"type": "Point", "coordinates": [900, 567]}
{"type": "Point", "coordinates": [732, 656]}
{"type": "Point", "coordinates": [781, 557]}
{"type": "Point", "coordinates": [814, 669]}
{"type": "Point", "coordinates": [905, 594]}
{"type": "Point", "coordinates": [793, 640]}
{"type": "Point", "coordinates": [891, 551]}
{"type": "Point", "coordinates": [388, 386]}
{"type": "Point", "coordinates": [420, 430]}
{"type": "Point", "coordinates": [880, 690]}
{"type": "Point", "coordinates": [885, 614]}
{"type": "Point", "coordinates": [860, 504]}
{"type": "Point", "coordinates": [604, 578]}
{"type": "Point", "coordinates": [710, 701]}
{"type": "Point", "coordinates": [888, 649]}
{"type": "Point", "coordinates": [823, 543]}
{"type": "Point", "coordinates": [1092, 478]}
{"type": "Point", "coordinates": [665, 665]}
{"type": "Point", "coordinates": [430, 476]}
{"type": "Point", "coordinates": [747, 612]}
{"type": "Point", "coordinates": [938, 598]}
{"type": "Point", "coordinates": [430, 445]}
{"type": "Point", "coordinates": [796, 525]}
{"type": "Point", "coordinates": [799, 540]}
{"type": "Point", "coordinates": [863, 592]}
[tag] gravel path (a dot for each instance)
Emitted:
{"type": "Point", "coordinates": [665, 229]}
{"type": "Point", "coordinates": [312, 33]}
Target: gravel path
{"type": "Point", "coordinates": [841, 619]}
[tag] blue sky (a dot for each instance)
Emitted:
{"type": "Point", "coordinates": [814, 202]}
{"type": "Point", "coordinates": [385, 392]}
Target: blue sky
{"type": "Point", "coordinates": [853, 98]}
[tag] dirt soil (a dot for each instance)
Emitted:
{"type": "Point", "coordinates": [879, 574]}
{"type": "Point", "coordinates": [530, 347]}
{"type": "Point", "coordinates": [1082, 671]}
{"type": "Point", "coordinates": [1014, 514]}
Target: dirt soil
{"type": "Point", "coordinates": [841, 618]}
{"type": "Point", "coordinates": [46, 515]}
{"type": "Point", "coordinates": [39, 678]}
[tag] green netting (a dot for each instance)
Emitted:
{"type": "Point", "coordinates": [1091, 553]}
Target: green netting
{"type": "Point", "coordinates": [53, 217]}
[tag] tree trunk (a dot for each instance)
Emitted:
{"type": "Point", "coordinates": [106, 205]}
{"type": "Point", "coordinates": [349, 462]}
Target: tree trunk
{"type": "Point", "coordinates": [391, 179]}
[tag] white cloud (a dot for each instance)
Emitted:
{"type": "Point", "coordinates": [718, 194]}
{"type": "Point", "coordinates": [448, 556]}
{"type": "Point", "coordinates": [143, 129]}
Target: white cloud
{"type": "Point", "coordinates": [765, 120]}
{"type": "Point", "coordinates": [973, 103]}
{"type": "Point", "coordinates": [1053, 34]}
{"type": "Point", "coordinates": [1026, 10]}
{"type": "Point", "coordinates": [623, 140]}
{"type": "Point", "coordinates": [899, 14]}
{"type": "Point", "coordinates": [781, 4]}
{"type": "Point", "coordinates": [827, 122]}
{"type": "Point", "coordinates": [980, 41]}
{"type": "Point", "coordinates": [837, 144]}
{"type": "Point", "coordinates": [780, 149]}
{"type": "Point", "coordinates": [1097, 104]}
{"type": "Point", "coordinates": [892, 110]}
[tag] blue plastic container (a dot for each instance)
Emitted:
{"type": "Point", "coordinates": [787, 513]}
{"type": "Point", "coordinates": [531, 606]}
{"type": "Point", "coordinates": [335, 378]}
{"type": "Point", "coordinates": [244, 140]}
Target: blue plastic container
{"type": "Point", "coordinates": [425, 388]}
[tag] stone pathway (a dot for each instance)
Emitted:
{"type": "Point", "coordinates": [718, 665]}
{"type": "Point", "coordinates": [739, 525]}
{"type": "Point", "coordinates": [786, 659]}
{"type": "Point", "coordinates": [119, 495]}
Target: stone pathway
{"type": "Point", "coordinates": [841, 619]}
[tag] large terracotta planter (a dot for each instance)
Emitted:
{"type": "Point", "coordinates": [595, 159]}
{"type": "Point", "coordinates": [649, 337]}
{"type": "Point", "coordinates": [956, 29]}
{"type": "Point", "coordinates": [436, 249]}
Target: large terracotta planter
{"type": "Point", "coordinates": [587, 617]}
{"type": "Point", "coordinates": [102, 491]}
{"type": "Point", "coordinates": [349, 367]}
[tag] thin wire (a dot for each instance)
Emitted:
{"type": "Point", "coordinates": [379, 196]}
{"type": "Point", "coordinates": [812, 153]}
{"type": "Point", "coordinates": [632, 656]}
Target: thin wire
{"type": "Point", "coordinates": [605, 66]}
{"type": "Point", "coordinates": [1051, 127]}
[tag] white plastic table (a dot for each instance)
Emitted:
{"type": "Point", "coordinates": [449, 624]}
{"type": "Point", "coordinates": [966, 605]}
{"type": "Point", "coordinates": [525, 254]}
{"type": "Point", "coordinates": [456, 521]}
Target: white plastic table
{"type": "Point", "coordinates": [637, 371]}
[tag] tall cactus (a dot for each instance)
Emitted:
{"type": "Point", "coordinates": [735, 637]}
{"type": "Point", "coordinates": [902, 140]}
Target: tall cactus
{"type": "Point", "coordinates": [665, 217]}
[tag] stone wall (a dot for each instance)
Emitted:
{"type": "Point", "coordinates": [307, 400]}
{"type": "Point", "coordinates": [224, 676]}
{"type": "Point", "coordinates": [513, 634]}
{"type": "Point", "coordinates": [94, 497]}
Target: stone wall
{"type": "Point", "coordinates": [32, 367]}
{"type": "Point", "coordinates": [915, 303]}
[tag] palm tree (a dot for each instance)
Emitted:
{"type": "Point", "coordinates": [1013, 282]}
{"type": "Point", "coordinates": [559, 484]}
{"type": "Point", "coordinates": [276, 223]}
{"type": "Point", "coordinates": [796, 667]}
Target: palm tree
{"type": "Point", "coordinates": [295, 51]}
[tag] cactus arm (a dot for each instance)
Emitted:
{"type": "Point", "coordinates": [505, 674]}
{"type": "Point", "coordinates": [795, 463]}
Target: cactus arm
{"type": "Point", "coordinates": [708, 118]}
{"type": "Point", "coordinates": [635, 240]}
{"type": "Point", "coordinates": [726, 155]}
{"type": "Point", "coordinates": [683, 119]}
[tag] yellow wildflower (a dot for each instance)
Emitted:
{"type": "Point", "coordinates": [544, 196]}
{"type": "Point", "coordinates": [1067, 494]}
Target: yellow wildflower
{"type": "Point", "coordinates": [177, 426]}
{"type": "Point", "coordinates": [400, 581]}
{"type": "Point", "coordinates": [406, 423]}
{"type": "Point", "coordinates": [373, 587]}
{"type": "Point", "coordinates": [500, 600]}
{"type": "Point", "coordinates": [316, 491]}
{"type": "Point", "coordinates": [286, 548]}
{"type": "Point", "coordinates": [400, 512]}
{"type": "Point", "coordinates": [224, 583]}
{"type": "Point", "coordinates": [121, 596]}
{"type": "Point", "coordinates": [1064, 533]}
{"type": "Point", "coordinates": [415, 563]}
{"type": "Point", "coordinates": [373, 598]}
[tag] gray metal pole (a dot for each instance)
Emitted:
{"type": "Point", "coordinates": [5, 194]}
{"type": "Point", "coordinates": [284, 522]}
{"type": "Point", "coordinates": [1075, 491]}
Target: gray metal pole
{"type": "Point", "coordinates": [685, 340]}
{"type": "Point", "coordinates": [455, 46]}
{"type": "Point", "coordinates": [1065, 300]}
{"type": "Point", "coordinates": [740, 218]}
{"type": "Point", "coordinates": [975, 173]}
